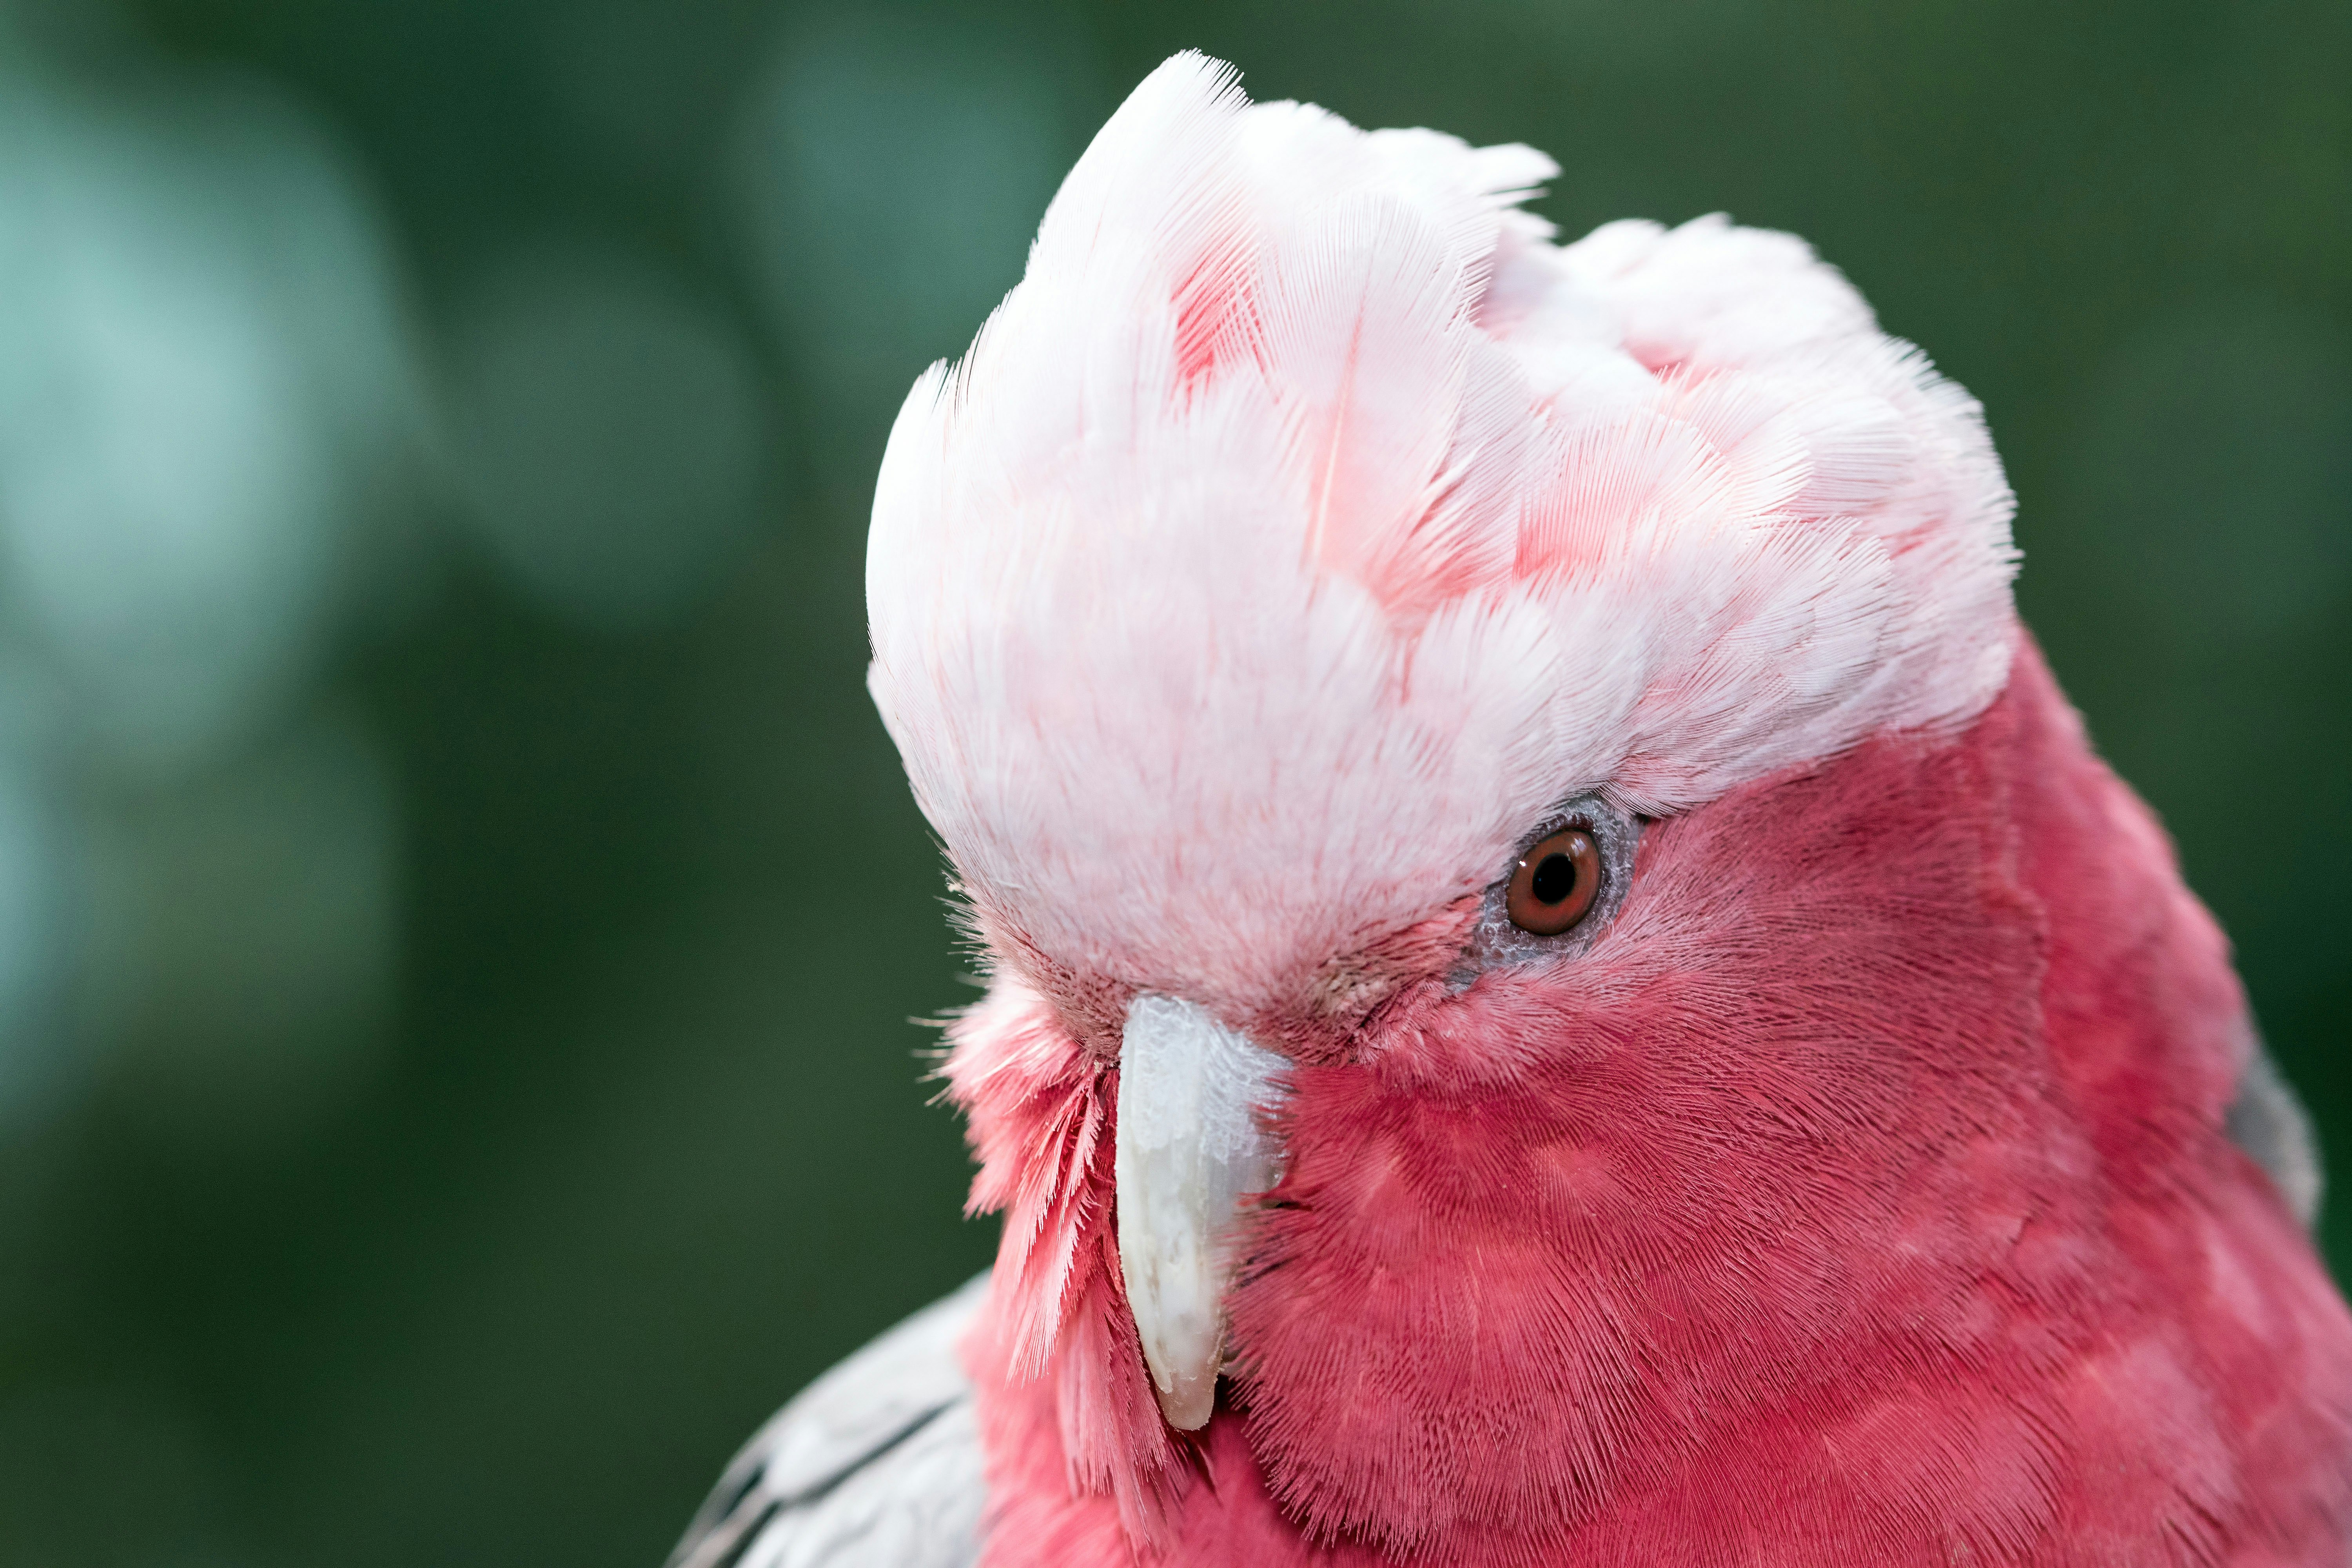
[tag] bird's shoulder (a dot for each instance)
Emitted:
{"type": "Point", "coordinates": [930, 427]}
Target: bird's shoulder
{"type": "Point", "coordinates": [875, 1465]}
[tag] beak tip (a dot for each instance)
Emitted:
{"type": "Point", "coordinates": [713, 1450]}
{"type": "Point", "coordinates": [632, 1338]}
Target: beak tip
{"type": "Point", "coordinates": [1188, 1404]}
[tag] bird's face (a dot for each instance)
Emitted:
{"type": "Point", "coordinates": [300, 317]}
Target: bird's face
{"type": "Point", "coordinates": [1539, 1233]}
{"type": "Point", "coordinates": [1533, 1205]}
{"type": "Point", "coordinates": [1204, 1069]}
{"type": "Point", "coordinates": [1204, 1058]}
{"type": "Point", "coordinates": [1423, 720]}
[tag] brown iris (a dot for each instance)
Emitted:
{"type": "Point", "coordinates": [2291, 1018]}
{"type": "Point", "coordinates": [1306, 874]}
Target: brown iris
{"type": "Point", "coordinates": [1554, 884]}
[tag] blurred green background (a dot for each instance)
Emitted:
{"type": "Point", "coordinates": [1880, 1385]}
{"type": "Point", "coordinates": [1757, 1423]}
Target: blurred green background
{"type": "Point", "coordinates": [459, 916]}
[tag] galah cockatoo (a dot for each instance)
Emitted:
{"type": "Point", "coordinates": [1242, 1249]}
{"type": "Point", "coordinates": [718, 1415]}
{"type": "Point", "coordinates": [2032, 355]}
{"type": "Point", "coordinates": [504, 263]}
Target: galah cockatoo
{"type": "Point", "coordinates": [1565, 988]}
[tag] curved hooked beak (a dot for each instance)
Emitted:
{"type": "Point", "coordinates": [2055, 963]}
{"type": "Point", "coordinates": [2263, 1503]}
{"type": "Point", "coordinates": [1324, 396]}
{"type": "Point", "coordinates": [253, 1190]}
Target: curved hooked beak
{"type": "Point", "coordinates": [1191, 1149]}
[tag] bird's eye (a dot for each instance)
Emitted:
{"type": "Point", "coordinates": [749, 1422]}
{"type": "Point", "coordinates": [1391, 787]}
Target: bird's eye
{"type": "Point", "coordinates": [1554, 884]}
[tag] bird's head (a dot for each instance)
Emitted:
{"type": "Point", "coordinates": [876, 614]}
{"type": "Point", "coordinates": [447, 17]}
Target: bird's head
{"type": "Point", "coordinates": [1426, 721]}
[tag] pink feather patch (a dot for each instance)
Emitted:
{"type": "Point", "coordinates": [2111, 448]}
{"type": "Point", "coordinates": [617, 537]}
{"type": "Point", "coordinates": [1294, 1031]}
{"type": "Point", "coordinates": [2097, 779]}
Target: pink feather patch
{"type": "Point", "coordinates": [1860, 1201]}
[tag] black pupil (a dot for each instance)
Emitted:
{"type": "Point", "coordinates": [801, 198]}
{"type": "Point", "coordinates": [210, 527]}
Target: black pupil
{"type": "Point", "coordinates": [1555, 878]}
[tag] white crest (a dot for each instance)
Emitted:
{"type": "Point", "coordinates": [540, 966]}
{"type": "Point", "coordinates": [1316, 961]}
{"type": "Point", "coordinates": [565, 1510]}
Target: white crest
{"type": "Point", "coordinates": [1306, 523]}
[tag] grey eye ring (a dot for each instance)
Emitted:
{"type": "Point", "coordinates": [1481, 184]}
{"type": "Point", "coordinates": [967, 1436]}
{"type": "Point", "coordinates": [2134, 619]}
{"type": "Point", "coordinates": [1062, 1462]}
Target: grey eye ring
{"type": "Point", "coordinates": [1562, 886]}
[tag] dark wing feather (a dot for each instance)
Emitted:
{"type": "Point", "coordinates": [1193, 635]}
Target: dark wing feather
{"type": "Point", "coordinates": [875, 1465]}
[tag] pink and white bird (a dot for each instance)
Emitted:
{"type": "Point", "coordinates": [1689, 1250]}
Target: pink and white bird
{"type": "Point", "coordinates": [1566, 988]}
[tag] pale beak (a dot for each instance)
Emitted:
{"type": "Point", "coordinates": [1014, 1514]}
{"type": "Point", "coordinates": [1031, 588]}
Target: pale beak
{"type": "Point", "coordinates": [1191, 1149]}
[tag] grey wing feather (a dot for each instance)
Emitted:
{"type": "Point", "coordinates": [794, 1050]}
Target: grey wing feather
{"type": "Point", "coordinates": [2270, 1124]}
{"type": "Point", "coordinates": [875, 1465]}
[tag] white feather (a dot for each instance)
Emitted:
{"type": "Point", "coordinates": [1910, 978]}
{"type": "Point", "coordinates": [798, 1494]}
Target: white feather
{"type": "Point", "coordinates": [1305, 525]}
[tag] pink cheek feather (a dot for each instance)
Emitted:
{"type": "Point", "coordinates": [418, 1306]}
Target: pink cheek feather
{"type": "Point", "coordinates": [1859, 1198]}
{"type": "Point", "coordinates": [1524, 1301]}
{"type": "Point", "coordinates": [1847, 1165]}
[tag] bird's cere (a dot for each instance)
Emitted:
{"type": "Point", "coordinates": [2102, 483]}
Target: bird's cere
{"type": "Point", "coordinates": [1193, 1147]}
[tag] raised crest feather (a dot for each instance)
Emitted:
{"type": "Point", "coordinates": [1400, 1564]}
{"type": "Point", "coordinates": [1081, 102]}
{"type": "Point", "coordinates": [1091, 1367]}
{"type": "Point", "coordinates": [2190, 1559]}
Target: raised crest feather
{"type": "Point", "coordinates": [1303, 475]}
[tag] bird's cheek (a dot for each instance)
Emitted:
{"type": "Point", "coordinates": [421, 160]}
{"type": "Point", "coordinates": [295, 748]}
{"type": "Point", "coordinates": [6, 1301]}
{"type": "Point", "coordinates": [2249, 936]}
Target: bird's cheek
{"type": "Point", "coordinates": [1412, 1301]}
